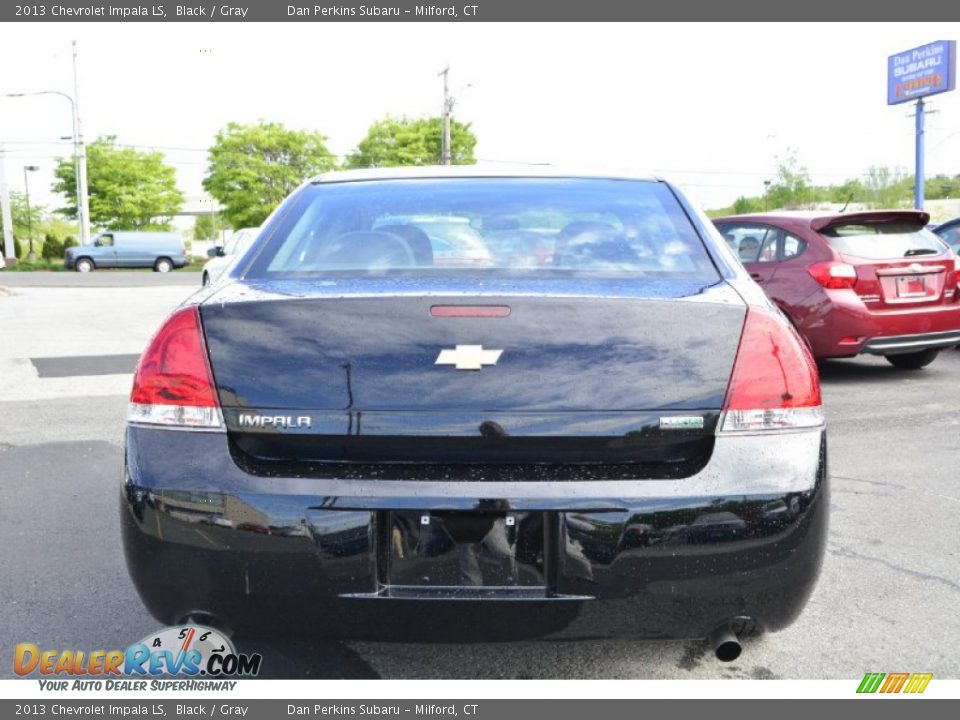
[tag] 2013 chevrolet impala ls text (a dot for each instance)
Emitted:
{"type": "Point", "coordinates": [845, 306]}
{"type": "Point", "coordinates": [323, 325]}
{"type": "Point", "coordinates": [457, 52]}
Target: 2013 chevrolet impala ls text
{"type": "Point", "coordinates": [452, 404]}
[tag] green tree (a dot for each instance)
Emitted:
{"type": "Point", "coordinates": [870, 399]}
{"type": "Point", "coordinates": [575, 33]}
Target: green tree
{"type": "Point", "coordinates": [128, 189]}
{"type": "Point", "coordinates": [852, 191]}
{"type": "Point", "coordinates": [22, 221]}
{"type": "Point", "coordinates": [792, 185]}
{"type": "Point", "coordinates": [254, 167]}
{"type": "Point", "coordinates": [879, 187]}
{"type": "Point", "coordinates": [59, 227]}
{"type": "Point", "coordinates": [208, 227]}
{"type": "Point", "coordinates": [394, 142]}
{"type": "Point", "coordinates": [941, 187]}
{"type": "Point", "coordinates": [743, 205]}
{"type": "Point", "coordinates": [888, 188]}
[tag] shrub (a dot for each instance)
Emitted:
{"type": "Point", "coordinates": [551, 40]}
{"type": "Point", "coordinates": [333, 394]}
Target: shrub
{"type": "Point", "coordinates": [52, 248]}
{"type": "Point", "coordinates": [70, 241]}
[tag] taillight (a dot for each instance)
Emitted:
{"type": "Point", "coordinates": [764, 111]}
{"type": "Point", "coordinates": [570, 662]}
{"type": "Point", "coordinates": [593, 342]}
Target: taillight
{"type": "Point", "coordinates": [834, 275]}
{"type": "Point", "coordinates": [774, 385]}
{"type": "Point", "coordinates": [173, 384]}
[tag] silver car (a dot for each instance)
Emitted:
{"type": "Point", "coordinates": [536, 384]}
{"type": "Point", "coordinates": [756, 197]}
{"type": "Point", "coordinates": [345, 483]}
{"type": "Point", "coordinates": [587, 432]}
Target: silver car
{"type": "Point", "coordinates": [222, 256]}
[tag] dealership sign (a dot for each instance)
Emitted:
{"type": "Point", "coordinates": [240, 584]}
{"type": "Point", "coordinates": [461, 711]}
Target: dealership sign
{"type": "Point", "coordinates": [926, 70]}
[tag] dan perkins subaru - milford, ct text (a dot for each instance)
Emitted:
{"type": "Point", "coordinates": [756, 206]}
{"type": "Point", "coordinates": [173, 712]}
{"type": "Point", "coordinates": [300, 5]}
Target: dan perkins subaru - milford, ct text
{"type": "Point", "coordinates": [337, 11]}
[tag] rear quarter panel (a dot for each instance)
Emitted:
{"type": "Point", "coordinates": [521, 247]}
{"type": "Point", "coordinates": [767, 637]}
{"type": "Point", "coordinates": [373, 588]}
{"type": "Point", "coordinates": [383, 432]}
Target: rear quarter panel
{"type": "Point", "coordinates": [791, 287]}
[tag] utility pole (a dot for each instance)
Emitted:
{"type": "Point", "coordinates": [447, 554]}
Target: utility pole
{"type": "Point", "coordinates": [8, 246]}
{"type": "Point", "coordinates": [446, 155]}
{"type": "Point", "coordinates": [84, 209]}
{"type": "Point", "coordinates": [31, 255]}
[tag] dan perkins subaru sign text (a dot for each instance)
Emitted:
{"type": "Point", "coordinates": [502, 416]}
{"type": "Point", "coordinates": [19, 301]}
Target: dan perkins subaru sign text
{"type": "Point", "coordinates": [926, 70]}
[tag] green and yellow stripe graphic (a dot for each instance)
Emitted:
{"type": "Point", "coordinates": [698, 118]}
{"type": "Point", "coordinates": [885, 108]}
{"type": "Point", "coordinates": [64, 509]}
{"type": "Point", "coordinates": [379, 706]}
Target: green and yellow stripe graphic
{"type": "Point", "coordinates": [894, 682]}
{"type": "Point", "coordinates": [918, 682]}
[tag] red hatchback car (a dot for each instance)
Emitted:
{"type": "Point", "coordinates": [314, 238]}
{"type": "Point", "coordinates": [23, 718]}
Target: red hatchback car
{"type": "Point", "coordinates": [866, 282]}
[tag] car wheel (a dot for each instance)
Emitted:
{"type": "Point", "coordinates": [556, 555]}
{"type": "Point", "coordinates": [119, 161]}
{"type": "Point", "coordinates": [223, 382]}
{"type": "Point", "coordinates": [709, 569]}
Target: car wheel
{"type": "Point", "coordinates": [84, 265]}
{"type": "Point", "coordinates": [163, 265]}
{"type": "Point", "coordinates": [206, 279]}
{"type": "Point", "coordinates": [913, 361]}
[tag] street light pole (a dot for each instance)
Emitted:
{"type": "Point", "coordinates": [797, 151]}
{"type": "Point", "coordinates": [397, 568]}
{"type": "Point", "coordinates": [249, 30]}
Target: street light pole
{"type": "Point", "coordinates": [445, 153]}
{"type": "Point", "coordinates": [84, 210]}
{"type": "Point", "coordinates": [81, 195]}
{"type": "Point", "coordinates": [31, 255]}
{"type": "Point", "coordinates": [449, 101]}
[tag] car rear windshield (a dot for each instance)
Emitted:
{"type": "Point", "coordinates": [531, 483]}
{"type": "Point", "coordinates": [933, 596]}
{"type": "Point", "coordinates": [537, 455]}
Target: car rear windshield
{"type": "Point", "coordinates": [883, 240]}
{"type": "Point", "coordinates": [489, 225]}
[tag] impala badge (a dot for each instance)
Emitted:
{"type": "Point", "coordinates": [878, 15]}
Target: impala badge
{"type": "Point", "coordinates": [468, 357]}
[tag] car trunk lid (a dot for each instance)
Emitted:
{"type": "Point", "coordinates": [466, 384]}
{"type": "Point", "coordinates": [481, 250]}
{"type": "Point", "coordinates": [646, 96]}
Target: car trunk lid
{"type": "Point", "coordinates": [368, 381]}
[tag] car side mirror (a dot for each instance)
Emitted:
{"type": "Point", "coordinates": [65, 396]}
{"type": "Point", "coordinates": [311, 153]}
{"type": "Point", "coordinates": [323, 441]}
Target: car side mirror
{"type": "Point", "coordinates": [213, 252]}
{"type": "Point", "coordinates": [96, 243]}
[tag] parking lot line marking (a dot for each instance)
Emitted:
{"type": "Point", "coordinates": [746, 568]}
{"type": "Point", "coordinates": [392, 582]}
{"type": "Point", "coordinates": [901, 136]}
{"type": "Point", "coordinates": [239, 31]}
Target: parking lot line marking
{"type": "Point", "coordinates": [85, 365]}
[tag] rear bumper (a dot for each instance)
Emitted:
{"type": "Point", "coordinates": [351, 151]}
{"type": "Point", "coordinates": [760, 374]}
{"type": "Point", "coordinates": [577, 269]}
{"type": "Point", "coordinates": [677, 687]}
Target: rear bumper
{"type": "Point", "coordinates": [399, 560]}
{"type": "Point", "coordinates": [842, 325]}
{"type": "Point", "coordinates": [896, 344]}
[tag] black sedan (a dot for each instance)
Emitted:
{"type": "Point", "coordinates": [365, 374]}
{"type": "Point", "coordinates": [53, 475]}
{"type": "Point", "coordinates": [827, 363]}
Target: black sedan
{"type": "Point", "coordinates": [574, 425]}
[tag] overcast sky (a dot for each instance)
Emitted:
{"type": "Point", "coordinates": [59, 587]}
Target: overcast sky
{"type": "Point", "coordinates": [711, 105]}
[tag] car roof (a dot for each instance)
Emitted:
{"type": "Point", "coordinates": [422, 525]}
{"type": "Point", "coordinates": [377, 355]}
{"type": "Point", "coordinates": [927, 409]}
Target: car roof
{"type": "Point", "coordinates": [479, 170]}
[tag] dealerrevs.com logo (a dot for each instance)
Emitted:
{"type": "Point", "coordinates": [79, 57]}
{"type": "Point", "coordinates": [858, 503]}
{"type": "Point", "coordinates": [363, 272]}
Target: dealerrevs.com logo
{"type": "Point", "coordinates": [187, 651]}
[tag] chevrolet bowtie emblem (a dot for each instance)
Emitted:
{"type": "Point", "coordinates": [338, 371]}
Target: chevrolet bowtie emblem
{"type": "Point", "coordinates": [468, 357]}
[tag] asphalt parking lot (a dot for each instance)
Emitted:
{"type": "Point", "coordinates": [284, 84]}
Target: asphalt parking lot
{"type": "Point", "coordinates": [887, 597]}
{"type": "Point", "coordinates": [102, 278]}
